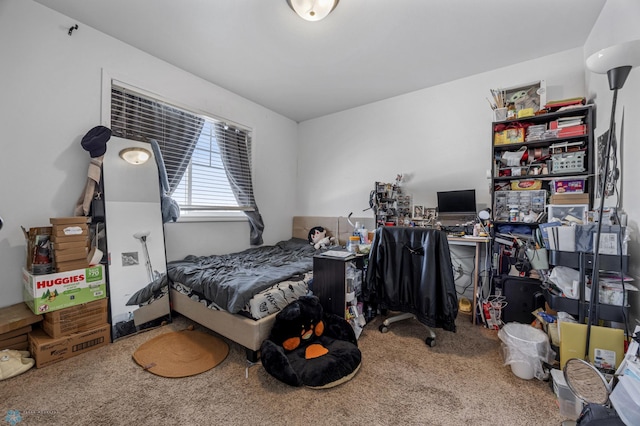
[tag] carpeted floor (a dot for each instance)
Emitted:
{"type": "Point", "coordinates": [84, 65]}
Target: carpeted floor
{"type": "Point", "coordinates": [462, 380]}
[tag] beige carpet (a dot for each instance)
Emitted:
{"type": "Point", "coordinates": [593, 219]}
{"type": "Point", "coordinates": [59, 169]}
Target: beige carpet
{"type": "Point", "coordinates": [460, 381]}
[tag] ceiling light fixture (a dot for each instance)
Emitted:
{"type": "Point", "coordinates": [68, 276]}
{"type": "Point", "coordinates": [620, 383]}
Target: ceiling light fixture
{"type": "Point", "coordinates": [135, 155]}
{"type": "Point", "coordinates": [615, 61]}
{"type": "Point", "coordinates": [312, 10]}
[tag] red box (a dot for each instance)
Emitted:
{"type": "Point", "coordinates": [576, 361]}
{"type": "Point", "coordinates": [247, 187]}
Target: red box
{"type": "Point", "coordinates": [568, 186]}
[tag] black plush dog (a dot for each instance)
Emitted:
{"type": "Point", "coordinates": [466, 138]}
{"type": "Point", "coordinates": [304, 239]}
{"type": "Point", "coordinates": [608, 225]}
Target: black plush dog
{"type": "Point", "coordinates": [308, 347]}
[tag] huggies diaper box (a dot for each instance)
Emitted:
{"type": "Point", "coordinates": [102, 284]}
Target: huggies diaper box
{"type": "Point", "coordinates": [50, 292]}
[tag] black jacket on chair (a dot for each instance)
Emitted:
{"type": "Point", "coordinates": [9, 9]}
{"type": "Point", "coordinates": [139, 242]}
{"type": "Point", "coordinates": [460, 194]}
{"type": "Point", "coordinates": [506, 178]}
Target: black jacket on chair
{"type": "Point", "coordinates": [410, 271]}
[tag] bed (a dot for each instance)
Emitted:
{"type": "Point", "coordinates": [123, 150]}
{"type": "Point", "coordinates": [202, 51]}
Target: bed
{"type": "Point", "coordinates": [239, 303]}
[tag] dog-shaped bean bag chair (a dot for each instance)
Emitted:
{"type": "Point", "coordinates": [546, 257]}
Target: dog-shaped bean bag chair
{"type": "Point", "coordinates": [308, 347]}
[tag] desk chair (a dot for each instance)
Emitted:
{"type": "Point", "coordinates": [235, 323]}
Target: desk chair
{"type": "Point", "coordinates": [410, 271]}
{"type": "Point", "coordinates": [384, 327]}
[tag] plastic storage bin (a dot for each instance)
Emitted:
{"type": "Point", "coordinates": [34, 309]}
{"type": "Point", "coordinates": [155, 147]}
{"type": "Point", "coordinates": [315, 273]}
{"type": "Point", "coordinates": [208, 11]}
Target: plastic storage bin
{"type": "Point", "coordinates": [525, 201]}
{"type": "Point", "coordinates": [570, 404]}
{"type": "Point", "coordinates": [568, 162]}
{"type": "Point", "coordinates": [626, 400]}
{"type": "Point", "coordinates": [568, 213]}
{"type": "Point", "coordinates": [525, 349]}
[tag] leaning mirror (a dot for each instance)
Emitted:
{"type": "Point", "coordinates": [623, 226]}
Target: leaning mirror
{"type": "Point", "coordinates": [138, 287]}
{"type": "Point", "coordinates": [586, 382]}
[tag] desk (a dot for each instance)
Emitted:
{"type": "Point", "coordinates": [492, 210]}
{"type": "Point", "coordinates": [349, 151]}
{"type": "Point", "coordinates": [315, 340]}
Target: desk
{"type": "Point", "coordinates": [477, 242]}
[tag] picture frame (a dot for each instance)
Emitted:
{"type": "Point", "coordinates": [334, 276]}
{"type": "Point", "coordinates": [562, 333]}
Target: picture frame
{"type": "Point", "coordinates": [529, 95]}
{"type": "Point", "coordinates": [430, 214]}
{"type": "Point", "coordinates": [418, 211]}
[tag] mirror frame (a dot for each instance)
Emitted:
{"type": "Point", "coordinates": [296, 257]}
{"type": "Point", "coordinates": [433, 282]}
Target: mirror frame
{"type": "Point", "coordinates": [586, 382]}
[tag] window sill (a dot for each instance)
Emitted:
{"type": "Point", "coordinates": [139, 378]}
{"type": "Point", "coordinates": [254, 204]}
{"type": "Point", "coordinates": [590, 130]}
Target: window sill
{"type": "Point", "coordinates": [212, 217]}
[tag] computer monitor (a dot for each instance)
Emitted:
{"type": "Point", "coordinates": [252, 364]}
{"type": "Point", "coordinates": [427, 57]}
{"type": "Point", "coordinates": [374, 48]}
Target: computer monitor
{"type": "Point", "coordinates": [462, 202]}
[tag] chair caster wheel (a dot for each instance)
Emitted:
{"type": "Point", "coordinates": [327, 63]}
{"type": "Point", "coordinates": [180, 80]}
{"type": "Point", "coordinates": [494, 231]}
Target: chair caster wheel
{"type": "Point", "coordinates": [430, 341]}
{"type": "Point", "coordinates": [383, 328]}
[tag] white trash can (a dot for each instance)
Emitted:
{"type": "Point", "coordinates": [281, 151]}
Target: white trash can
{"type": "Point", "coordinates": [525, 348]}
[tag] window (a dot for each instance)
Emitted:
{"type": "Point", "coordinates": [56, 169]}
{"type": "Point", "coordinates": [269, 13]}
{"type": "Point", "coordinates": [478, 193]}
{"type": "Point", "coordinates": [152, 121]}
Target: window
{"type": "Point", "coordinates": [208, 161]}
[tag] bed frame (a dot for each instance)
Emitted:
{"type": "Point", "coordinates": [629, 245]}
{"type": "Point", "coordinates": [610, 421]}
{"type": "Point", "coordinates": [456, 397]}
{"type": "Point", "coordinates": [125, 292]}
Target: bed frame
{"type": "Point", "coordinates": [247, 332]}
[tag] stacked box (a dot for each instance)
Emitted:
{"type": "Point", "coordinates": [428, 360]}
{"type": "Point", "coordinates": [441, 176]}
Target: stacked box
{"type": "Point", "coordinates": [16, 322]}
{"type": "Point", "coordinates": [569, 198]}
{"type": "Point", "coordinates": [51, 292]}
{"type": "Point", "coordinates": [16, 340]}
{"type": "Point", "coordinates": [47, 350]}
{"type": "Point", "coordinates": [70, 239]}
{"type": "Point", "coordinates": [75, 319]}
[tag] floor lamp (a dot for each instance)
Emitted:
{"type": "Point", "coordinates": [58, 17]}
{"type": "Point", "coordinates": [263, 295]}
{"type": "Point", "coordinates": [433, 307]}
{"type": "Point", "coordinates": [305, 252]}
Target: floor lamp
{"type": "Point", "coordinates": [615, 61]}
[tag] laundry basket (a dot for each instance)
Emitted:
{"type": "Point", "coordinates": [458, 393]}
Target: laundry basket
{"type": "Point", "coordinates": [525, 348]}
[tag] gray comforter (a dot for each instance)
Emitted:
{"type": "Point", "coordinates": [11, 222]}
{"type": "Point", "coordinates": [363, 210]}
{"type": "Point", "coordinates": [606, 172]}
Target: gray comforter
{"type": "Point", "coordinates": [230, 280]}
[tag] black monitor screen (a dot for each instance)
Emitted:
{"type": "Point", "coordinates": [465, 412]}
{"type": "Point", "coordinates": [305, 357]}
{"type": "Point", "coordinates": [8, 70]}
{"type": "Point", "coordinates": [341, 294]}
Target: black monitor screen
{"type": "Point", "coordinates": [463, 201]}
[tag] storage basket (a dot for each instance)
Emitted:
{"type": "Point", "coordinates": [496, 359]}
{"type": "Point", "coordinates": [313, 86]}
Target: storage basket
{"type": "Point", "coordinates": [568, 162]}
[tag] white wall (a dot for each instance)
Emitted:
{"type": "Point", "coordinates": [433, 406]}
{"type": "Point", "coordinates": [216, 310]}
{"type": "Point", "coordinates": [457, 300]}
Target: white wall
{"type": "Point", "coordinates": [51, 97]}
{"type": "Point", "coordinates": [618, 23]}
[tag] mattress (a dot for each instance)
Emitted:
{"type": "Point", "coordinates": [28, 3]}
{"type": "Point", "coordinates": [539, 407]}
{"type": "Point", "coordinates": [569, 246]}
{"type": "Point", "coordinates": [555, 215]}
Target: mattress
{"type": "Point", "coordinates": [231, 280]}
{"type": "Point", "coordinates": [265, 302]}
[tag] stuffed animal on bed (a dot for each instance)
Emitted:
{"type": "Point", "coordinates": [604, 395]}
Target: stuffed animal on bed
{"type": "Point", "coordinates": [308, 347]}
{"type": "Point", "coordinates": [318, 238]}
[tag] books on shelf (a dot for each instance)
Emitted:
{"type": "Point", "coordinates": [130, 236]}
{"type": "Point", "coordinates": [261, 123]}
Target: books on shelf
{"type": "Point", "coordinates": [579, 101]}
{"type": "Point", "coordinates": [568, 122]}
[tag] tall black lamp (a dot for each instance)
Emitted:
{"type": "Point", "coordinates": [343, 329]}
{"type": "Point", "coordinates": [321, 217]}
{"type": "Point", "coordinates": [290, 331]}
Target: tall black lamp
{"type": "Point", "coordinates": [615, 61]}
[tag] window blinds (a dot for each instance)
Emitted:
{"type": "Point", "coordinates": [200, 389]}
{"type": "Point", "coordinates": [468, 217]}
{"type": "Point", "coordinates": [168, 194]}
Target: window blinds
{"type": "Point", "coordinates": [208, 161]}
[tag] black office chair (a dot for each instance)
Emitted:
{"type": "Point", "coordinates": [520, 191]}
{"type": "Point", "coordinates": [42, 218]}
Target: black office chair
{"type": "Point", "coordinates": [410, 271]}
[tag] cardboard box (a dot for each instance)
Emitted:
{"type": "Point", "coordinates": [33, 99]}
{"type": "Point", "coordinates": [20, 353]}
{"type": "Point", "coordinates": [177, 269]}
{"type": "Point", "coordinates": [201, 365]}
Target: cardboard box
{"type": "Point", "coordinates": [20, 340]}
{"type": "Point", "coordinates": [50, 292]}
{"type": "Point", "coordinates": [57, 245]}
{"type": "Point", "coordinates": [75, 319]}
{"type": "Point", "coordinates": [47, 350]}
{"type": "Point", "coordinates": [71, 220]}
{"type": "Point", "coordinates": [17, 317]}
{"type": "Point", "coordinates": [39, 253]}
{"type": "Point", "coordinates": [70, 254]}
{"type": "Point", "coordinates": [11, 334]}
{"type": "Point", "coordinates": [72, 265]}
{"type": "Point", "coordinates": [70, 238]}
{"type": "Point", "coordinates": [569, 198]}
{"type": "Point", "coordinates": [16, 339]}
{"type": "Point", "coordinates": [71, 229]}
